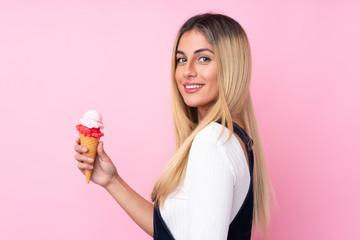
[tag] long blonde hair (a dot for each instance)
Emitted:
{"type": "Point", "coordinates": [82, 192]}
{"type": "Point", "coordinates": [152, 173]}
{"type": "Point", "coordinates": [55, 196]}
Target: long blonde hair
{"type": "Point", "coordinates": [233, 57]}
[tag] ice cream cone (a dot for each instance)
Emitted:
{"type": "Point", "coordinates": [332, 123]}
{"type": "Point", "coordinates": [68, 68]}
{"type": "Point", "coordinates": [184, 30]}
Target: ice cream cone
{"type": "Point", "coordinates": [91, 144]}
{"type": "Point", "coordinates": [90, 133]}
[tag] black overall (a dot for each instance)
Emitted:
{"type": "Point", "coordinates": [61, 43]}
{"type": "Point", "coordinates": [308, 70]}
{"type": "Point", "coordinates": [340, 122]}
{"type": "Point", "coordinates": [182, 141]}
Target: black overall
{"type": "Point", "coordinates": [240, 227]}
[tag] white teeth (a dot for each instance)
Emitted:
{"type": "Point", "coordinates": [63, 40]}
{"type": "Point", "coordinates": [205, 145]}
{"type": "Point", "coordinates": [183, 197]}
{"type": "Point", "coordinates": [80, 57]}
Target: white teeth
{"type": "Point", "coordinates": [194, 86]}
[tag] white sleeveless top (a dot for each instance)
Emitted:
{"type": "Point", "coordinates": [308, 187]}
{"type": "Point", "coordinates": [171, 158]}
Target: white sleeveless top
{"type": "Point", "coordinates": [216, 183]}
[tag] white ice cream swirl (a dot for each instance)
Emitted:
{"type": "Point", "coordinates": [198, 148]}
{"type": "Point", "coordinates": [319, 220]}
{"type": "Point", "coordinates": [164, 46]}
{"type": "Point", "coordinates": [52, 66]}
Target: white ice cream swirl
{"type": "Point", "coordinates": [92, 119]}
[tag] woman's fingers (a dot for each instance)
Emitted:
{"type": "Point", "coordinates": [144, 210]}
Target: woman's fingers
{"type": "Point", "coordinates": [101, 153]}
{"type": "Point", "coordinates": [80, 149]}
{"type": "Point", "coordinates": [83, 166]}
{"type": "Point", "coordinates": [82, 158]}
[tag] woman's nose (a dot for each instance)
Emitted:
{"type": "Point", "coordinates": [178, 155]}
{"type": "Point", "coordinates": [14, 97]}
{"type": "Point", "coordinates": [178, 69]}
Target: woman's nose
{"type": "Point", "coordinates": [190, 70]}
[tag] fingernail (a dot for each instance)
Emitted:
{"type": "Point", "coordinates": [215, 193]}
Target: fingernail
{"type": "Point", "coordinates": [84, 149]}
{"type": "Point", "coordinates": [90, 159]}
{"type": "Point", "coordinates": [91, 167]}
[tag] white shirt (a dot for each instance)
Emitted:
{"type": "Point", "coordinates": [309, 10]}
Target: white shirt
{"type": "Point", "coordinates": [215, 186]}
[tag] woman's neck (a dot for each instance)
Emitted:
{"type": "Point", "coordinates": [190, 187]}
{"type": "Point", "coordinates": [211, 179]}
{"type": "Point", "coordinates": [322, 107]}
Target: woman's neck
{"type": "Point", "coordinates": [202, 111]}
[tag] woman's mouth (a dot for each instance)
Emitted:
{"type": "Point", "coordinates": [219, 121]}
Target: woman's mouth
{"type": "Point", "coordinates": [191, 88]}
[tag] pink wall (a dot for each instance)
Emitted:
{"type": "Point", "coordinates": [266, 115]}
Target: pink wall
{"type": "Point", "coordinates": [59, 59]}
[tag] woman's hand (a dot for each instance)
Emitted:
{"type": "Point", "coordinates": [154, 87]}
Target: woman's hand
{"type": "Point", "coordinates": [105, 174]}
{"type": "Point", "coordinates": [104, 171]}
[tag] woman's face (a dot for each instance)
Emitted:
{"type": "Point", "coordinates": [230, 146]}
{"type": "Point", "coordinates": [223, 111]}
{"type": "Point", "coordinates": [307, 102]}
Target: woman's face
{"type": "Point", "coordinates": [196, 71]}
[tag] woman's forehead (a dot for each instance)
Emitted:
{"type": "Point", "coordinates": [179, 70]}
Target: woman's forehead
{"type": "Point", "coordinates": [192, 40]}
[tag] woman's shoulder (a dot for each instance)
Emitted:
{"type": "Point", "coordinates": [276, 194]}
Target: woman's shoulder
{"type": "Point", "coordinates": [208, 137]}
{"type": "Point", "coordinates": [213, 152]}
{"type": "Point", "coordinates": [211, 133]}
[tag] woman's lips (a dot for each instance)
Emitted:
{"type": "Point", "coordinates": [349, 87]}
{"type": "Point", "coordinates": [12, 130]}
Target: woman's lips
{"type": "Point", "coordinates": [191, 88]}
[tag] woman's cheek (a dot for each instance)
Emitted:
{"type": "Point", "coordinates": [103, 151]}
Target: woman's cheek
{"type": "Point", "coordinates": [178, 84]}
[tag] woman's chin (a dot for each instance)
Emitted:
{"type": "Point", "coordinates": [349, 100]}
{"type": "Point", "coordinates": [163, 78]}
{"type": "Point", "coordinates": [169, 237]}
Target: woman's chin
{"type": "Point", "coordinates": [192, 104]}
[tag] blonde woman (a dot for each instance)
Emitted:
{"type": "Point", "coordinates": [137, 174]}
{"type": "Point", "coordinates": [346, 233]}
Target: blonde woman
{"type": "Point", "coordinates": [216, 185]}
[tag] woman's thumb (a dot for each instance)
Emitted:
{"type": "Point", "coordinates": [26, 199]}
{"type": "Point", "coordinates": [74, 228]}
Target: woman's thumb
{"type": "Point", "coordinates": [101, 152]}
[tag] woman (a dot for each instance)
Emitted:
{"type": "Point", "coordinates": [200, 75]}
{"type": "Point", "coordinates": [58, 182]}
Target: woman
{"type": "Point", "coordinates": [216, 185]}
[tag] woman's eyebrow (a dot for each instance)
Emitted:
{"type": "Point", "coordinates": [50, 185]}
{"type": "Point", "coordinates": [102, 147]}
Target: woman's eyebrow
{"type": "Point", "coordinates": [197, 51]}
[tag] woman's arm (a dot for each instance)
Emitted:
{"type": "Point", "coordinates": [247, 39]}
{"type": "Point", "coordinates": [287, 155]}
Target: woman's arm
{"type": "Point", "coordinates": [211, 187]}
{"type": "Point", "coordinates": [138, 208]}
{"type": "Point", "coordinates": [105, 175]}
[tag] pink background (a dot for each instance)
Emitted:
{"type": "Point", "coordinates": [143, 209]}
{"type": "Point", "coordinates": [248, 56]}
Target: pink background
{"type": "Point", "coordinates": [61, 58]}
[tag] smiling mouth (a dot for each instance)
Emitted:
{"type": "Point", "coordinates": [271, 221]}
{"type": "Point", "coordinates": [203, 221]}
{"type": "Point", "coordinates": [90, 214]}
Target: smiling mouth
{"type": "Point", "coordinates": [194, 86]}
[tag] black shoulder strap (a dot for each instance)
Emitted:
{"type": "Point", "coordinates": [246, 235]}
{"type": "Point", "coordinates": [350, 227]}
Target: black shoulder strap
{"type": "Point", "coordinates": [244, 136]}
{"type": "Point", "coordinates": [248, 143]}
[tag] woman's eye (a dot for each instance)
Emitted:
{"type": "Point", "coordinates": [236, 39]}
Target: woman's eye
{"type": "Point", "coordinates": [180, 60]}
{"type": "Point", "coordinates": [206, 59]}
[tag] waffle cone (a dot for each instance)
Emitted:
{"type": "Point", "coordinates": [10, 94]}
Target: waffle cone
{"type": "Point", "coordinates": [91, 144]}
